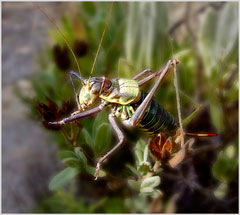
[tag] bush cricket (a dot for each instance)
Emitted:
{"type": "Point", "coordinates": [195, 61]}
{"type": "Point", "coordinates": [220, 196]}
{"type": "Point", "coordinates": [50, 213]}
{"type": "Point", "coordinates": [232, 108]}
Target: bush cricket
{"type": "Point", "coordinates": [132, 106]}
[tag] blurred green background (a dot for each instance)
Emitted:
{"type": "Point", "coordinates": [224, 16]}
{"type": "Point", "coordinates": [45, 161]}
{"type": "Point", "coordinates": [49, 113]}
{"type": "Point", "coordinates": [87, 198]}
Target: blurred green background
{"type": "Point", "coordinates": [204, 37]}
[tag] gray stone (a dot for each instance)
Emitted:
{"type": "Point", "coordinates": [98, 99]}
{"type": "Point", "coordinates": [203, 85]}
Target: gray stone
{"type": "Point", "coordinates": [28, 157]}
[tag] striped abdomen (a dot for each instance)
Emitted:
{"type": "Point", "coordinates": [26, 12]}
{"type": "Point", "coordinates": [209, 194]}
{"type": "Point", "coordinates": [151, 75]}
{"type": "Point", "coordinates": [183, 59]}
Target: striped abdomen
{"type": "Point", "coordinates": [156, 119]}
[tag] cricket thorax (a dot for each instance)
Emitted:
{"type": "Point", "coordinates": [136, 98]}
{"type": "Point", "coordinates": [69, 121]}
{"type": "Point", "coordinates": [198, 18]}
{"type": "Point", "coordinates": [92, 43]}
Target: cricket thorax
{"type": "Point", "coordinates": [122, 91]}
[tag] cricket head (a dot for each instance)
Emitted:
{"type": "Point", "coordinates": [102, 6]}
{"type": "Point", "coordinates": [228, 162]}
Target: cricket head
{"type": "Point", "coordinates": [92, 88]}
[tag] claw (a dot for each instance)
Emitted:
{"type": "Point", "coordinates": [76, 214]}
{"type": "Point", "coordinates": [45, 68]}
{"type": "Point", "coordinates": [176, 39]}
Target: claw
{"type": "Point", "coordinates": [97, 171]}
{"type": "Point", "coordinates": [57, 123]}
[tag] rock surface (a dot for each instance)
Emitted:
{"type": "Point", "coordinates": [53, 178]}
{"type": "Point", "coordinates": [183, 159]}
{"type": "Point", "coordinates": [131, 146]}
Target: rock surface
{"type": "Point", "coordinates": [28, 160]}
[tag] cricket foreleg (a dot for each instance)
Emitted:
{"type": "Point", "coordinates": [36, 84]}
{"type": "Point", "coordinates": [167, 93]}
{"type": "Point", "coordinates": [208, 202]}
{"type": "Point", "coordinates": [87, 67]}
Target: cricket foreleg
{"type": "Point", "coordinates": [115, 148]}
{"type": "Point", "coordinates": [139, 113]}
{"type": "Point", "coordinates": [77, 116]}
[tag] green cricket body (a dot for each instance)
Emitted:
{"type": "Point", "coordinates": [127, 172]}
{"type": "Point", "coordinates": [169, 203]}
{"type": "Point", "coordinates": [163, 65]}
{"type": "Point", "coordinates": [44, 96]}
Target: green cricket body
{"type": "Point", "coordinates": [124, 97]}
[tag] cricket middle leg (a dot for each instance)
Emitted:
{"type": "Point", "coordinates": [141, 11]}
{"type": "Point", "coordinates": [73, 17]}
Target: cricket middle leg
{"type": "Point", "coordinates": [115, 148]}
{"type": "Point", "coordinates": [152, 76]}
{"type": "Point", "coordinates": [141, 74]}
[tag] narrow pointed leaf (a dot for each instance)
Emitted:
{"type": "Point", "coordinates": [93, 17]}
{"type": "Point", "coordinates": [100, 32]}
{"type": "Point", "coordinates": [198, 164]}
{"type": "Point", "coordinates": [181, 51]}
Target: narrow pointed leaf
{"type": "Point", "coordinates": [189, 118]}
{"type": "Point", "coordinates": [88, 138]}
{"type": "Point", "coordinates": [145, 155]}
{"type": "Point", "coordinates": [80, 155]}
{"type": "Point", "coordinates": [72, 162]}
{"type": "Point", "coordinates": [66, 154]}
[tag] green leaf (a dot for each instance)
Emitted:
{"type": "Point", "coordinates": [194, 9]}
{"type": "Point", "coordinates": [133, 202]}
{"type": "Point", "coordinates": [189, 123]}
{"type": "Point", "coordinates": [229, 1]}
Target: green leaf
{"type": "Point", "coordinates": [66, 154]}
{"type": "Point", "coordinates": [101, 118]}
{"type": "Point", "coordinates": [189, 118]}
{"type": "Point", "coordinates": [89, 8]}
{"type": "Point", "coordinates": [221, 191]}
{"type": "Point", "coordinates": [134, 184]}
{"type": "Point", "coordinates": [183, 54]}
{"type": "Point", "coordinates": [80, 155]}
{"type": "Point", "coordinates": [217, 115]}
{"type": "Point", "coordinates": [95, 205]}
{"type": "Point", "coordinates": [157, 193]}
{"type": "Point", "coordinates": [62, 178]}
{"type": "Point", "coordinates": [72, 162]}
{"type": "Point", "coordinates": [207, 38]}
{"type": "Point", "coordinates": [154, 193]}
{"type": "Point", "coordinates": [150, 182]}
{"type": "Point", "coordinates": [125, 69]}
{"type": "Point", "coordinates": [88, 138]}
{"type": "Point", "coordinates": [132, 169]}
{"type": "Point", "coordinates": [147, 190]}
{"type": "Point", "coordinates": [225, 167]}
{"type": "Point", "coordinates": [103, 138]}
{"type": "Point", "coordinates": [115, 204]}
{"type": "Point", "coordinates": [230, 152]}
{"type": "Point", "coordinates": [227, 30]}
{"type": "Point", "coordinates": [218, 35]}
{"type": "Point", "coordinates": [91, 170]}
{"type": "Point", "coordinates": [139, 150]}
{"type": "Point", "coordinates": [139, 156]}
{"type": "Point", "coordinates": [144, 167]}
{"type": "Point", "coordinates": [146, 26]}
{"type": "Point", "coordinates": [145, 154]}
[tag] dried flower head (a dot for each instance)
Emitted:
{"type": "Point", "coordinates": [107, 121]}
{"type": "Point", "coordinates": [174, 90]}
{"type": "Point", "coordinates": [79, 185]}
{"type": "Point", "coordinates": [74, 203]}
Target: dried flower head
{"type": "Point", "coordinates": [51, 112]}
{"type": "Point", "coordinates": [61, 57]}
{"type": "Point", "coordinates": [80, 48]}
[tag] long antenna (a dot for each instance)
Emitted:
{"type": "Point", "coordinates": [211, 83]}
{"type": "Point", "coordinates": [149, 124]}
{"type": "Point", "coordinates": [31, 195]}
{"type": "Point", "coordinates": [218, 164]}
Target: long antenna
{"type": "Point", "coordinates": [100, 44]}
{"type": "Point", "coordinates": [63, 36]}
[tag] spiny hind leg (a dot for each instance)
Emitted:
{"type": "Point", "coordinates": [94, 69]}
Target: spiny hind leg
{"type": "Point", "coordinates": [143, 107]}
{"type": "Point", "coordinates": [115, 148]}
{"type": "Point", "coordinates": [139, 113]}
